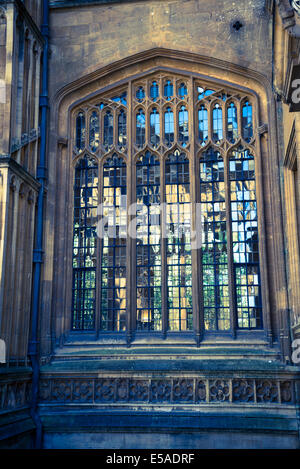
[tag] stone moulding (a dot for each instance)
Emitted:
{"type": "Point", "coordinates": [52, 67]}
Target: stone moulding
{"type": "Point", "coordinates": [172, 390]}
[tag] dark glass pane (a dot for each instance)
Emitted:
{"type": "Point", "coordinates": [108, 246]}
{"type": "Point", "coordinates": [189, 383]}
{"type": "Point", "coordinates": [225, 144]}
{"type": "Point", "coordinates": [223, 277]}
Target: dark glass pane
{"type": "Point", "coordinates": [154, 128]}
{"type": "Point", "coordinates": [80, 131]}
{"type": "Point", "coordinates": [169, 127]}
{"type": "Point", "coordinates": [140, 128]}
{"type": "Point", "coordinates": [148, 244]}
{"type": "Point", "coordinates": [178, 228]}
{"type": "Point", "coordinates": [214, 242]}
{"type": "Point", "coordinates": [247, 122]}
{"type": "Point", "coordinates": [203, 125]}
{"type": "Point", "coordinates": [232, 124]}
{"type": "Point", "coordinates": [94, 131]}
{"type": "Point", "coordinates": [217, 124]}
{"type": "Point", "coordinates": [108, 137]}
{"type": "Point", "coordinates": [122, 129]}
{"type": "Point", "coordinates": [183, 126]}
{"type": "Point", "coordinates": [84, 244]}
{"type": "Point", "coordinates": [245, 239]}
{"type": "Point", "coordinates": [113, 268]}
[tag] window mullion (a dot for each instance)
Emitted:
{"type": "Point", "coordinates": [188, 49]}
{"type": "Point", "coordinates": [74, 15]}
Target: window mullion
{"type": "Point", "coordinates": [231, 276]}
{"type": "Point", "coordinates": [131, 249]}
{"type": "Point", "coordinates": [99, 256]}
{"type": "Point", "coordinates": [194, 181]}
{"type": "Point", "coordinates": [164, 275]}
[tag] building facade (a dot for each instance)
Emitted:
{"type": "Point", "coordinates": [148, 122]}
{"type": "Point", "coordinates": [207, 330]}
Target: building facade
{"type": "Point", "coordinates": [149, 287]}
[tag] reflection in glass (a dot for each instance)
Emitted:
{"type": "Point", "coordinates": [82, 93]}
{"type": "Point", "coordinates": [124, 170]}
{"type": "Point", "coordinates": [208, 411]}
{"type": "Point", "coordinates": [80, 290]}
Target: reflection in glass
{"type": "Point", "coordinates": [217, 124]}
{"type": "Point", "coordinates": [80, 131]}
{"type": "Point", "coordinates": [108, 132]}
{"type": "Point", "coordinates": [178, 227]}
{"type": "Point", "coordinates": [84, 244]}
{"type": "Point", "coordinates": [232, 124]}
{"type": "Point", "coordinates": [169, 127]}
{"type": "Point", "coordinates": [113, 268]}
{"type": "Point", "coordinates": [245, 239]}
{"type": "Point", "coordinates": [148, 244]}
{"type": "Point", "coordinates": [140, 128]}
{"type": "Point", "coordinates": [122, 130]}
{"type": "Point", "coordinates": [183, 126]}
{"type": "Point", "coordinates": [214, 242]}
{"type": "Point", "coordinates": [154, 128]}
{"type": "Point", "coordinates": [247, 122]}
{"type": "Point", "coordinates": [94, 131]}
{"type": "Point", "coordinates": [203, 125]}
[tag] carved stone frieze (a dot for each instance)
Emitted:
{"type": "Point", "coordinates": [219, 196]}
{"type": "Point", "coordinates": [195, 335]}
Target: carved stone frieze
{"type": "Point", "coordinates": [190, 390]}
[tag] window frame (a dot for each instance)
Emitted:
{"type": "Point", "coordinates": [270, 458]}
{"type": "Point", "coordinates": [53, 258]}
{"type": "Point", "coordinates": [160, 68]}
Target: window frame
{"type": "Point", "coordinates": [193, 154]}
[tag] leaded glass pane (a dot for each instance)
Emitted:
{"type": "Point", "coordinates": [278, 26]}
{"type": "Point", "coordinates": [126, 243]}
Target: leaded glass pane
{"type": "Point", "coordinates": [214, 242]}
{"type": "Point", "coordinates": [140, 94]}
{"type": "Point", "coordinates": [178, 227]}
{"type": "Point", "coordinates": [183, 126]}
{"type": "Point", "coordinates": [84, 244]}
{"type": "Point", "coordinates": [247, 122]}
{"type": "Point", "coordinates": [148, 244]}
{"type": "Point", "coordinates": [140, 128]}
{"type": "Point", "coordinates": [232, 124]}
{"type": "Point", "coordinates": [122, 129]}
{"type": "Point", "coordinates": [108, 133]}
{"type": "Point", "coordinates": [154, 91]}
{"type": "Point", "coordinates": [182, 90]}
{"type": "Point", "coordinates": [217, 124]}
{"type": "Point", "coordinates": [94, 131]}
{"type": "Point", "coordinates": [168, 90]}
{"type": "Point", "coordinates": [169, 127]}
{"type": "Point", "coordinates": [245, 239]}
{"type": "Point", "coordinates": [154, 128]}
{"type": "Point", "coordinates": [203, 125]}
{"type": "Point", "coordinates": [80, 131]}
{"type": "Point", "coordinates": [113, 268]}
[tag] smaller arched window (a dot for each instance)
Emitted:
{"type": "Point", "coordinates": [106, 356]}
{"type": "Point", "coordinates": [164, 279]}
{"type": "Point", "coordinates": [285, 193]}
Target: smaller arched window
{"type": "Point", "coordinates": [247, 122]}
{"type": "Point", "coordinates": [140, 128]}
{"type": "Point", "coordinates": [183, 126]}
{"type": "Point", "coordinates": [217, 123]}
{"type": "Point", "coordinates": [122, 129]}
{"type": "Point", "coordinates": [154, 128]}
{"type": "Point", "coordinates": [94, 137]}
{"type": "Point", "coordinates": [202, 125]}
{"type": "Point", "coordinates": [108, 130]}
{"type": "Point", "coordinates": [80, 131]}
{"type": "Point", "coordinates": [169, 127]}
{"type": "Point", "coordinates": [232, 123]}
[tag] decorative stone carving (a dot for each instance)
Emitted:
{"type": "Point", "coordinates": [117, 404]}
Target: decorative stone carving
{"type": "Point", "coordinates": [189, 390]}
{"type": "Point", "coordinates": [243, 390]}
{"type": "Point", "coordinates": [266, 391]}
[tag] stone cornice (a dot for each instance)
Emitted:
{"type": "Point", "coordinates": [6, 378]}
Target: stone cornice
{"type": "Point", "coordinates": [7, 162]}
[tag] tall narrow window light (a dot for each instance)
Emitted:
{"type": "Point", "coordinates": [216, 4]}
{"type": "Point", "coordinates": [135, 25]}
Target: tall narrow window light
{"type": "Point", "coordinates": [245, 239]}
{"type": "Point", "coordinates": [154, 128]}
{"type": "Point", "coordinates": [214, 242]}
{"type": "Point", "coordinates": [122, 129]}
{"type": "Point", "coordinates": [80, 131]}
{"type": "Point", "coordinates": [203, 125]}
{"type": "Point", "coordinates": [168, 90]}
{"type": "Point", "coordinates": [178, 226]}
{"type": "Point", "coordinates": [148, 245]}
{"type": "Point", "coordinates": [182, 90]}
{"type": "Point", "coordinates": [154, 91]}
{"type": "Point", "coordinates": [183, 126]}
{"type": "Point", "coordinates": [247, 122]}
{"type": "Point", "coordinates": [217, 124]}
{"type": "Point", "coordinates": [232, 124]}
{"type": "Point", "coordinates": [108, 133]}
{"type": "Point", "coordinates": [169, 127]}
{"type": "Point", "coordinates": [113, 268]}
{"type": "Point", "coordinates": [140, 128]}
{"type": "Point", "coordinates": [94, 131]}
{"type": "Point", "coordinates": [84, 244]}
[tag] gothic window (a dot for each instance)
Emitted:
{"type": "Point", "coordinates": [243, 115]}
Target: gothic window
{"type": "Point", "coordinates": [141, 263]}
